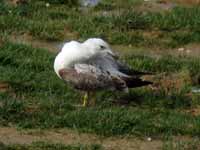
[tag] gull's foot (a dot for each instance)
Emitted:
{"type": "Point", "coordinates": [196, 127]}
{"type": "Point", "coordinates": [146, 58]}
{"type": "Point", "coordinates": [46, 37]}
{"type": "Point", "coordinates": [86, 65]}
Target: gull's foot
{"type": "Point", "coordinates": [85, 100]}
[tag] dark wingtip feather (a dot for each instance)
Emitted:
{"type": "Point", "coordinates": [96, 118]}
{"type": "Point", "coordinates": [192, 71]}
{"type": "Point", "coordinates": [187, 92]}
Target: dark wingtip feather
{"type": "Point", "coordinates": [136, 82]}
{"type": "Point", "coordinates": [132, 72]}
{"type": "Point", "coordinates": [140, 73]}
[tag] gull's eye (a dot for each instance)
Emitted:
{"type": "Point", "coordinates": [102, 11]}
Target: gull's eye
{"type": "Point", "coordinates": [102, 47]}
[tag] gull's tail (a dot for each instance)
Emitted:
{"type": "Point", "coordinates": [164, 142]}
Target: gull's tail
{"type": "Point", "coordinates": [136, 82]}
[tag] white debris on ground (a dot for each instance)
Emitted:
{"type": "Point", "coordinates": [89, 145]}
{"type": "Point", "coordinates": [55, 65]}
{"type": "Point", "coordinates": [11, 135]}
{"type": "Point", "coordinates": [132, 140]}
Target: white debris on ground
{"type": "Point", "coordinates": [47, 4]}
{"type": "Point", "coordinates": [195, 90]}
{"type": "Point", "coordinates": [149, 139]}
{"type": "Point", "coordinates": [188, 51]}
{"type": "Point", "coordinates": [181, 49]}
{"type": "Point", "coordinates": [87, 3]}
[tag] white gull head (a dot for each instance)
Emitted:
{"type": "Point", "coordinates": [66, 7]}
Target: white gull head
{"type": "Point", "coordinates": [97, 45]}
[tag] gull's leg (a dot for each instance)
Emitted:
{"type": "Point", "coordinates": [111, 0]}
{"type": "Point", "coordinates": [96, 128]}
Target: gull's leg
{"type": "Point", "coordinates": [85, 99]}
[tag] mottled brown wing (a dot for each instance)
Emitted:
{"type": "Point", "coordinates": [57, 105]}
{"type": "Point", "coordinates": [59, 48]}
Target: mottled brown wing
{"type": "Point", "coordinates": [91, 81]}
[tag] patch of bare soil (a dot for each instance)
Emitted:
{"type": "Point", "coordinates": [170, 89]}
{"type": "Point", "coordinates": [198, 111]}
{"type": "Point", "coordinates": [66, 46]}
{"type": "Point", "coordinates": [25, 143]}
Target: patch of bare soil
{"type": "Point", "coordinates": [171, 83]}
{"type": "Point", "coordinates": [191, 50]}
{"type": "Point", "coordinates": [194, 111]}
{"type": "Point", "coordinates": [52, 46]}
{"type": "Point", "coordinates": [152, 34]}
{"type": "Point", "coordinates": [28, 39]}
{"type": "Point", "coordinates": [166, 5]}
{"type": "Point", "coordinates": [17, 2]}
{"type": "Point", "coordinates": [156, 5]}
{"type": "Point", "coordinates": [68, 137]}
{"type": "Point", "coordinates": [127, 50]}
{"type": "Point", "coordinates": [188, 2]}
{"type": "Point", "coordinates": [4, 87]}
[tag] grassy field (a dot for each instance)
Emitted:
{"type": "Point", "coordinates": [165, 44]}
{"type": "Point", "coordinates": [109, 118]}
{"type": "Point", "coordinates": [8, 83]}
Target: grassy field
{"type": "Point", "coordinates": [162, 41]}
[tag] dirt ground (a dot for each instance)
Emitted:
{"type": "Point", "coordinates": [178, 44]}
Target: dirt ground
{"type": "Point", "coordinates": [192, 50]}
{"type": "Point", "coordinates": [69, 137]}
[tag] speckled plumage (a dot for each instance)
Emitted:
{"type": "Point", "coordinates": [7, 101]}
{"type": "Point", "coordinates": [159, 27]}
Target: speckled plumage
{"type": "Point", "coordinates": [92, 65]}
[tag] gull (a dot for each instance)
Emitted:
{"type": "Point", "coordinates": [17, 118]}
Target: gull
{"type": "Point", "coordinates": [92, 66]}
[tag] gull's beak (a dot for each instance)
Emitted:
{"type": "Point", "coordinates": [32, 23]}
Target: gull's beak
{"type": "Point", "coordinates": [110, 52]}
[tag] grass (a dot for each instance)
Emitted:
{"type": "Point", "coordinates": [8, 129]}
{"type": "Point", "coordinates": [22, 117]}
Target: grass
{"type": "Point", "coordinates": [178, 145]}
{"type": "Point", "coordinates": [164, 64]}
{"type": "Point", "coordinates": [36, 98]}
{"type": "Point", "coordinates": [129, 24]}
{"type": "Point", "coordinates": [161, 29]}
{"type": "Point", "coordinates": [43, 101]}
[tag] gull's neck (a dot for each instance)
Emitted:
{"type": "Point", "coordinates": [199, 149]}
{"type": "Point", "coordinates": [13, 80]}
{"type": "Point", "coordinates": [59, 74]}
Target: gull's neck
{"type": "Point", "coordinates": [71, 54]}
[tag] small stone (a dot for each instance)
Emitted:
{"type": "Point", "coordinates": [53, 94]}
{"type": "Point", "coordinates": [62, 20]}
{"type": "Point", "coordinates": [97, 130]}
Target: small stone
{"type": "Point", "coordinates": [47, 4]}
{"type": "Point", "coordinates": [181, 49]}
{"type": "Point", "coordinates": [149, 139]}
{"type": "Point", "coordinates": [105, 13]}
{"type": "Point", "coordinates": [188, 51]}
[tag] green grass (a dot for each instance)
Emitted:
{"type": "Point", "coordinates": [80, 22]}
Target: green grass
{"type": "Point", "coordinates": [174, 28]}
{"type": "Point", "coordinates": [178, 27]}
{"type": "Point", "coordinates": [38, 99]}
{"type": "Point", "coordinates": [46, 146]}
{"type": "Point", "coordinates": [179, 145]}
{"type": "Point", "coordinates": [164, 64]}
